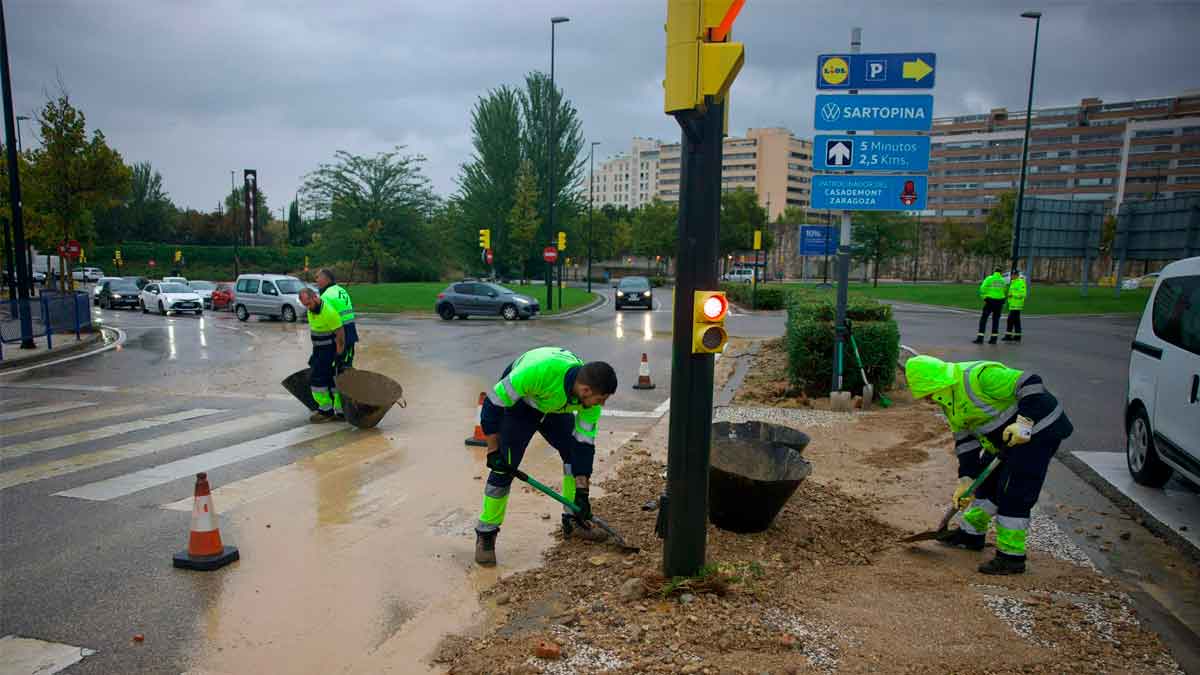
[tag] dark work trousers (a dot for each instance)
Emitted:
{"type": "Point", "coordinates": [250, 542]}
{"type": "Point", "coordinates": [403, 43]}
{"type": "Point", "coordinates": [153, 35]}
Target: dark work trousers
{"type": "Point", "coordinates": [1015, 485]}
{"type": "Point", "coordinates": [1013, 327]}
{"type": "Point", "coordinates": [351, 340]}
{"type": "Point", "coordinates": [994, 308]}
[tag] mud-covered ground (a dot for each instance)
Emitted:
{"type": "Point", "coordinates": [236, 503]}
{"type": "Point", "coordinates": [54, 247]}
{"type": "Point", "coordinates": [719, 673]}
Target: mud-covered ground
{"type": "Point", "coordinates": [827, 588]}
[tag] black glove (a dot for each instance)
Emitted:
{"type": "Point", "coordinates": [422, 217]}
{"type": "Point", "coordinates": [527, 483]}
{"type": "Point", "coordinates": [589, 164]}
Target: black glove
{"type": "Point", "coordinates": [495, 462]}
{"type": "Point", "coordinates": [584, 505]}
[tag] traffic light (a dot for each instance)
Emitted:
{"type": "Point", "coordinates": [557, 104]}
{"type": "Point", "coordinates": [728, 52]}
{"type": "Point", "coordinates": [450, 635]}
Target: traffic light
{"type": "Point", "coordinates": [758, 240]}
{"type": "Point", "coordinates": [178, 255]}
{"type": "Point", "coordinates": [485, 239]}
{"type": "Point", "coordinates": [562, 241]}
{"type": "Point", "coordinates": [708, 325]}
{"type": "Point", "coordinates": [700, 59]}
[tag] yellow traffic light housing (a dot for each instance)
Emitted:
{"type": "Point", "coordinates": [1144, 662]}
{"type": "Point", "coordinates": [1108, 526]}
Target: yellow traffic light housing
{"type": "Point", "coordinates": [708, 322]}
{"type": "Point", "coordinates": [700, 60]}
{"type": "Point", "coordinates": [485, 239]}
{"type": "Point", "coordinates": [562, 241]}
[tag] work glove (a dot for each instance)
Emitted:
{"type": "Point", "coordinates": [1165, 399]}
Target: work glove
{"type": "Point", "coordinates": [960, 499]}
{"type": "Point", "coordinates": [585, 507]}
{"type": "Point", "coordinates": [495, 462]}
{"type": "Point", "coordinates": [1019, 432]}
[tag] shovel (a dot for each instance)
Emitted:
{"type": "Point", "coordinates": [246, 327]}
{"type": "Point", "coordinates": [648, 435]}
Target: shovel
{"type": "Point", "coordinates": [943, 527]}
{"type": "Point", "coordinates": [533, 482]}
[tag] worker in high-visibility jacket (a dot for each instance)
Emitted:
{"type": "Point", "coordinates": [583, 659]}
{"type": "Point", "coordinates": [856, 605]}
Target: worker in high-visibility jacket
{"type": "Point", "coordinates": [992, 409]}
{"type": "Point", "coordinates": [992, 289]}
{"type": "Point", "coordinates": [337, 296]}
{"type": "Point", "coordinates": [328, 344]}
{"type": "Point", "coordinates": [1017, 292]}
{"type": "Point", "coordinates": [551, 391]}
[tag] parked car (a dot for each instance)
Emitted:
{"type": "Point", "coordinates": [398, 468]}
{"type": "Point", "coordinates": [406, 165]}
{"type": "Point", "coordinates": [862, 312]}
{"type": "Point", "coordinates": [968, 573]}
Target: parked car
{"type": "Point", "coordinates": [222, 296]}
{"type": "Point", "coordinates": [89, 274]}
{"type": "Point", "coordinates": [167, 297]}
{"type": "Point", "coordinates": [634, 292]}
{"type": "Point", "coordinates": [176, 280]}
{"type": "Point", "coordinates": [464, 298]}
{"type": "Point", "coordinates": [205, 290]}
{"type": "Point", "coordinates": [1162, 406]}
{"type": "Point", "coordinates": [1146, 281]}
{"type": "Point", "coordinates": [99, 283]}
{"type": "Point", "coordinates": [270, 295]}
{"type": "Point", "coordinates": [118, 292]}
{"type": "Point", "coordinates": [739, 275]}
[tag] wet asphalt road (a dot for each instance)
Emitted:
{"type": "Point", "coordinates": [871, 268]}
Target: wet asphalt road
{"type": "Point", "coordinates": [356, 544]}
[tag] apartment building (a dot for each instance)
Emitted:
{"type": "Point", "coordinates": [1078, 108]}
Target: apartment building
{"type": "Point", "coordinates": [772, 161]}
{"type": "Point", "coordinates": [1095, 151]}
{"type": "Point", "coordinates": [628, 179]}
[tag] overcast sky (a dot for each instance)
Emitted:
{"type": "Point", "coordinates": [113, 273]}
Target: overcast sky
{"type": "Point", "coordinates": [202, 87]}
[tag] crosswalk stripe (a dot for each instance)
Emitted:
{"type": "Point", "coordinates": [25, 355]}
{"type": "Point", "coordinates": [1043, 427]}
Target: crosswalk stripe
{"type": "Point", "coordinates": [21, 449]}
{"type": "Point", "coordinates": [62, 467]}
{"type": "Point", "coordinates": [137, 481]}
{"type": "Point", "coordinates": [26, 427]}
{"type": "Point", "coordinates": [45, 410]}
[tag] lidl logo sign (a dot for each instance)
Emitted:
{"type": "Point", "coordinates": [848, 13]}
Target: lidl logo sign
{"type": "Point", "coordinates": [835, 70]}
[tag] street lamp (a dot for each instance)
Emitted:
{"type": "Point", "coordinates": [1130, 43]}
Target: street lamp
{"type": "Point", "coordinates": [551, 142]}
{"type": "Point", "coordinates": [20, 118]}
{"type": "Point", "coordinates": [1037, 27]}
{"type": "Point", "coordinates": [591, 195]}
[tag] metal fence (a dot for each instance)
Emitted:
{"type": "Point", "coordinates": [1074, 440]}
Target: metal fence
{"type": "Point", "coordinates": [1060, 228]}
{"type": "Point", "coordinates": [1159, 229]}
{"type": "Point", "coordinates": [51, 314]}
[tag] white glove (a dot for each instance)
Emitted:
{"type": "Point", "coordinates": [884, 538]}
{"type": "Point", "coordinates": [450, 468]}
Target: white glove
{"type": "Point", "coordinates": [1019, 432]}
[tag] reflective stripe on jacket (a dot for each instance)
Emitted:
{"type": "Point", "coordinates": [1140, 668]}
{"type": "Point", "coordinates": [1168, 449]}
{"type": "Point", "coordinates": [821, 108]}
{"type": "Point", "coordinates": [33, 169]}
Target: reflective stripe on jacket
{"type": "Point", "coordinates": [543, 378]}
{"type": "Point", "coordinates": [323, 324]}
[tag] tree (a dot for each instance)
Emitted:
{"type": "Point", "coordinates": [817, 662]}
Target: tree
{"type": "Point", "coordinates": [740, 217]}
{"type": "Point", "coordinates": [235, 213]}
{"type": "Point", "coordinates": [297, 230]}
{"type": "Point", "coordinates": [523, 222]}
{"type": "Point", "coordinates": [655, 229]}
{"type": "Point", "coordinates": [996, 243]}
{"type": "Point", "coordinates": [76, 176]}
{"type": "Point", "coordinates": [879, 237]}
{"type": "Point", "coordinates": [793, 215]}
{"type": "Point", "coordinates": [372, 207]}
{"type": "Point", "coordinates": [538, 99]}
{"type": "Point", "coordinates": [488, 183]}
{"type": "Point", "coordinates": [146, 215]}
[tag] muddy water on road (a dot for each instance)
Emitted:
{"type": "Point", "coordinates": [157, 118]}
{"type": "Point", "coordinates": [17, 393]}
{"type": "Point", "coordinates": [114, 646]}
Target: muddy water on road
{"type": "Point", "coordinates": [358, 558]}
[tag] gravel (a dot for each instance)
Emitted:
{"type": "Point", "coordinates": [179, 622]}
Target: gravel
{"type": "Point", "coordinates": [579, 657]}
{"type": "Point", "coordinates": [1045, 535]}
{"type": "Point", "coordinates": [819, 643]}
{"type": "Point", "coordinates": [801, 418]}
{"type": "Point", "coordinates": [1014, 612]}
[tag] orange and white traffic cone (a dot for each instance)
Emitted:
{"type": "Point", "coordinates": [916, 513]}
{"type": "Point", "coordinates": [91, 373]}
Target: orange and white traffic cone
{"type": "Point", "coordinates": [644, 374]}
{"type": "Point", "coordinates": [204, 551]}
{"type": "Point", "coordinates": [478, 439]}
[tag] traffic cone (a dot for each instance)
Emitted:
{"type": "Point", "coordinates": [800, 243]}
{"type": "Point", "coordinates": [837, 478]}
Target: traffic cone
{"type": "Point", "coordinates": [205, 551]}
{"type": "Point", "coordinates": [644, 374]}
{"type": "Point", "coordinates": [478, 439]}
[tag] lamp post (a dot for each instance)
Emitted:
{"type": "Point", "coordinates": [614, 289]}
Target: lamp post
{"type": "Point", "coordinates": [591, 196]}
{"type": "Point", "coordinates": [23, 273]}
{"type": "Point", "coordinates": [1037, 27]}
{"type": "Point", "coordinates": [551, 141]}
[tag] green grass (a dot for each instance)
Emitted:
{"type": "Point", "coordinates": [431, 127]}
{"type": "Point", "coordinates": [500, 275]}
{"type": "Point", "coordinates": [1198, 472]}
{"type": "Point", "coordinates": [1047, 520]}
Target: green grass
{"type": "Point", "coordinates": [1043, 299]}
{"type": "Point", "coordinates": [420, 297]}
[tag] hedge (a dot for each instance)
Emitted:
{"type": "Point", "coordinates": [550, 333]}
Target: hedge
{"type": "Point", "coordinates": [810, 343]}
{"type": "Point", "coordinates": [767, 297]}
{"type": "Point", "coordinates": [200, 262]}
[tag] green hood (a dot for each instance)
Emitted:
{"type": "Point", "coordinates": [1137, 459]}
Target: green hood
{"type": "Point", "coordinates": [927, 375]}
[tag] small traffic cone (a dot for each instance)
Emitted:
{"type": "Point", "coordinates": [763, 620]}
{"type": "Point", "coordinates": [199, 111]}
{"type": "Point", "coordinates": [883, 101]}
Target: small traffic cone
{"type": "Point", "coordinates": [644, 374]}
{"type": "Point", "coordinates": [478, 439]}
{"type": "Point", "coordinates": [205, 551]}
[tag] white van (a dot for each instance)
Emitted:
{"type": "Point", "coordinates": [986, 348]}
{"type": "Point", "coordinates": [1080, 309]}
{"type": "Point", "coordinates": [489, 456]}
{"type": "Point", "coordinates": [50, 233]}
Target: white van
{"type": "Point", "coordinates": [1162, 407]}
{"type": "Point", "coordinates": [271, 295]}
{"type": "Point", "coordinates": [739, 275]}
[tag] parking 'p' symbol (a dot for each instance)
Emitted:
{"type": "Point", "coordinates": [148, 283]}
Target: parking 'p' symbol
{"type": "Point", "coordinates": [876, 70]}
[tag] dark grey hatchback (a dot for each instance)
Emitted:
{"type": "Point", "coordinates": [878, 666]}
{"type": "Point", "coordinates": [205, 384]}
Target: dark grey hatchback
{"type": "Point", "coordinates": [482, 298]}
{"type": "Point", "coordinates": [634, 292]}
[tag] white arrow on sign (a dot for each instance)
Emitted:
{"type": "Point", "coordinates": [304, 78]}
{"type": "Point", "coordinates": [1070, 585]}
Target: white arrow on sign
{"type": "Point", "coordinates": [838, 153]}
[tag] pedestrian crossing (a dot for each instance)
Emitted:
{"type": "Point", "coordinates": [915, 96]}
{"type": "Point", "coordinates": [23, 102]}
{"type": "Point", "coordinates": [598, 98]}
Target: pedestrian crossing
{"type": "Point", "coordinates": [45, 410]}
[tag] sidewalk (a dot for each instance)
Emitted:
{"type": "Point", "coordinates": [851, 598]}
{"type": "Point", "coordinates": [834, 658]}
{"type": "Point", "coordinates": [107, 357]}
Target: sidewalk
{"type": "Point", "coordinates": [64, 344]}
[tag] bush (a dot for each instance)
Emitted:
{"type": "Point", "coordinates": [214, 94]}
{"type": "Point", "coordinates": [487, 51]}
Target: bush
{"type": "Point", "coordinates": [810, 343]}
{"type": "Point", "coordinates": [767, 297]}
{"type": "Point", "coordinates": [200, 262]}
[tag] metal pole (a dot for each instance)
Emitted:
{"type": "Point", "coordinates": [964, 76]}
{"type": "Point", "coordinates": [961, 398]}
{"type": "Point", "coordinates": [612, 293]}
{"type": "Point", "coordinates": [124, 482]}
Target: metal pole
{"type": "Point", "coordinates": [591, 196]}
{"type": "Point", "coordinates": [690, 433]}
{"type": "Point", "coordinates": [1037, 26]}
{"type": "Point", "coordinates": [917, 247]}
{"type": "Point", "coordinates": [24, 278]}
{"type": "Point", "coordinates": [237, 230]}
{"type": "Point", "coordinates": [843, 259]}
{"type": "Point", "coordinates": [550, 142]}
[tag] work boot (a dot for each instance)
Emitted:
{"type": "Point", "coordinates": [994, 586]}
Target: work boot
{"type": "Point", "coordinates": [321, 417]}
{"type": "Point", "coordinates": [572, 528]}
{"type": "Point", "coordinates": [1006, 338]}
{"type": "Point", "coordinates": [1017, 337]}
{"type": "Point", "coordinates": [978, 340]}
{"type": "Point", "coordinates": [963, 539]}
{"type": "Point", "coordinates": [1003, 564]}
{"type": "Point", "coordinates": [992, 341]}
{"type": "Point", "coordinates": [485, 547]}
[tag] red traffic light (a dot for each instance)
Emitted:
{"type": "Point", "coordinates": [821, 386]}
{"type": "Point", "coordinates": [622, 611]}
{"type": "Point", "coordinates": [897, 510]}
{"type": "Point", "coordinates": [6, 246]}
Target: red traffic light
{"type": "Point", "coordinates": [714, 307]}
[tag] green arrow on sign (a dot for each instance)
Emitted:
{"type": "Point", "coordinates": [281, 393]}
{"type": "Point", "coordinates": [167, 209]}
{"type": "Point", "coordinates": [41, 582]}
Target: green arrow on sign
{"type": "Point", "coordinates": [916, 70]}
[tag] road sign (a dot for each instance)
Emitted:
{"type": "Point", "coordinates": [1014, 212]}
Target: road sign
{"type": "Point", "coordinates": [73, 248]}
{"type": "Point", "coordinates": [550, 254]}
{"type": "Point", "coordinates": [870, 153]}
{"type": "Point", "coordinates": [489, 256]}
{"type": "Point", "coordinates": [888, 112]}
{"type": "Point", "coordinates": [915, 70]}
{"type": "Point", "coordinates": [818, 239]}
{"type": "Point", "coordinates": [869, 193]}
{"type": "Point", "coordinates": [151, 263]}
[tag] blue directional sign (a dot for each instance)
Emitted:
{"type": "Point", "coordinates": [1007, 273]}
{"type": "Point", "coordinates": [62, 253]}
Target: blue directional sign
{"type": "Point", "coordinates": [869, 193]}
{"type": "Point", "coordinates": [818, 239]}
{"type": "Point", "coordinates": [915, 70]}
{"type": "Point", "coordinates": [892, 112]}
{"type": "Point", "coordinates": [870, 153]}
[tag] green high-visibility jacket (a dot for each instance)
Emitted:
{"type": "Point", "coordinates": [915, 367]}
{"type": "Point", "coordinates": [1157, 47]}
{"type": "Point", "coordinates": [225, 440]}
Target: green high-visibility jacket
{"type": "Point", "coordinates": [993, 287]}
{"type": "Point", "coordinates": [340, 299]}
{"type": "Point", "coordinates": [323, 323]}
{"type": "Point", "coordinates": [1017, 291]}
{"type": "Point", "coordinates": [542, 378]}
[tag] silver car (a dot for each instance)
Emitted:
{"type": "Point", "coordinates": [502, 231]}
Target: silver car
{"type": "Point", "coordinates": [482, 298]}
{"type": "Point", "coordinates": [271, 295]}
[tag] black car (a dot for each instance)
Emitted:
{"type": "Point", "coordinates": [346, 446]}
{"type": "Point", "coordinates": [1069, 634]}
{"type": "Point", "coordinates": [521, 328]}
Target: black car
{"type": "Point", "coordinates": [482, 298]}
{"type": "Point", "coordinates": [118, 293]}
{"type": "Point", "coordinates": [634, 292]}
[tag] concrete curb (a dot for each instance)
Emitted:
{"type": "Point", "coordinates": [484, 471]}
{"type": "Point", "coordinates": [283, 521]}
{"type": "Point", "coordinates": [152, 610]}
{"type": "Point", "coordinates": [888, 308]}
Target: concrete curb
{"type": "Point", "coordinates": [599, 301]}
{"type": "Point", "coordinates": [80, 348]}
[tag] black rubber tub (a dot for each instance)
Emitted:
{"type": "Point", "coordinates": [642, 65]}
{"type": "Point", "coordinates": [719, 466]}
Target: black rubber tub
{"type": "Point", "coordinates": [297, 384]}
{"type": "Point", "coordinates": [755, 468]}
{"type": "Point", "coordinates": [367, 396]}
